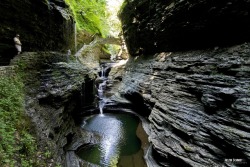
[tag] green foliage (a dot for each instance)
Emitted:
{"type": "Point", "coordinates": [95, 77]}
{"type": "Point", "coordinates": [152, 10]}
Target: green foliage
{"type": "Point", "coordinates": [106, 49]}
{"type": "Point", "coordinates": [17, 145]}
{"type": "Point", "coordinates": [90, 15]}
{"type": "Point", "coordinates": [47, 154]}
{"type": "Point", "coordinates": [58, 165]}
{"type": "Point", "coordinates": [113, 8]}
{"type": "Point", "coordinates": [112, 49]}
{"type": "Point", "coordinates": [11, 107]}
{"type": "Point", "coordinates": [125, 2]}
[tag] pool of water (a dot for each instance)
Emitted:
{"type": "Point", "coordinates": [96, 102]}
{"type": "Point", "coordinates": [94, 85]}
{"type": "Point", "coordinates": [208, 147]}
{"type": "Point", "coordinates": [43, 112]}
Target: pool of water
{"type": "Point", "coordinates": [119, 144]}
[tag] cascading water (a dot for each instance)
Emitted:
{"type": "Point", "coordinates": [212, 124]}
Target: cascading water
{"type": "Point", "coordinates": [75, 29]}
{"type": "Point", "coordinates": [103, 100]}
{"type": "Point", "coordinates": [121, 138]}
{"type": "Point", "coordinates": [101, 88]}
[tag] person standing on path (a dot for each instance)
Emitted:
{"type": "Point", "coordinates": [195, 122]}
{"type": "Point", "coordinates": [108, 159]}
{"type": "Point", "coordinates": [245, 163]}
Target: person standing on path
{"type": "Point", "coordinates": [18, 44]}
{"type": "Point", "coordinates": [68, 55]}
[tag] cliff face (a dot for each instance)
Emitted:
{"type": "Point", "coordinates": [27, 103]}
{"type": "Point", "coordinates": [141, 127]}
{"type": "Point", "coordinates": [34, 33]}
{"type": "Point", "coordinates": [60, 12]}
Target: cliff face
{"type": "Point", "coordinates": [156, 26]}
{"type": "Point", "coordinates": [54, 94]}
{"type": "Point", "coordinates": [42, 25]}
{"type": "Point", "coordinates": [197, 101]}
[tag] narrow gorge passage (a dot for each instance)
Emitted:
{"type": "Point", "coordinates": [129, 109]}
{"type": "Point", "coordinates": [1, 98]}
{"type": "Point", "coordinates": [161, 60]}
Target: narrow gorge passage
{"type": "Point", "coordinates": [186, 83]}
{"type": "Point", "coordinates": [118, 135]}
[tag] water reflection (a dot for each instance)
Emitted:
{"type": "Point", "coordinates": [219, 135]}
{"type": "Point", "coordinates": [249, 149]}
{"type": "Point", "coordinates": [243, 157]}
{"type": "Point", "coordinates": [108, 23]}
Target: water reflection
{"type": "Point", "coordinates": [119, 139]}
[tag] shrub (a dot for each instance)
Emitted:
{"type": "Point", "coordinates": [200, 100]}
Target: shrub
{"type": "Point", "coordinates": [17, 144]}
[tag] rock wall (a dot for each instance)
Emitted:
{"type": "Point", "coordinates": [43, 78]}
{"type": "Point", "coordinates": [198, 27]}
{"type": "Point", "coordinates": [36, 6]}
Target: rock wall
{"type": "Point", "coordinates": [189, 74]}
{"type": "Point", "coordinates": [53, 98]}
{"type": "Point", "coordinates": [199, 103]}
{"type": "Point", "coordinates": [154, 25]}
{"type": "Point", "coordinates": [43, 25]}
{"type": "Point", "coordinates": [7, 70]}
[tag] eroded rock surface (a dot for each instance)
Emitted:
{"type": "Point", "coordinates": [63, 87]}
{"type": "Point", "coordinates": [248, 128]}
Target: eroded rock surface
{"type": "Point", "coordinates": [199, 103]}
{"type": "Point", "coordinates": [155, 25]}
{"type": "Point", "coordinates": [42, 24]}
{"type": "Point", "coordinates": [190, 75]}
{"type": "Point", "coordinates": [54, 94]}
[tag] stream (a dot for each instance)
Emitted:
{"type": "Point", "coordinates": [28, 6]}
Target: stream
{"type": "Point", "coordinates": [122, 140]}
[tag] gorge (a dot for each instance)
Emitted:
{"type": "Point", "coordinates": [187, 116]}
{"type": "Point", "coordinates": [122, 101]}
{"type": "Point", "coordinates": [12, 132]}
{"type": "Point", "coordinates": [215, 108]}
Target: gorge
{"type": "Point", "coordinates": [187, 77]}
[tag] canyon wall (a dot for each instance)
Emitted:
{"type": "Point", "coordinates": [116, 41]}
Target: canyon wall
{"type": "Point", "coordinates": [189, 73]}
{"type": "Point", "coordinates": [198, 104]}
{"type": "Point", "coordinates": [54, 97]}
{"type": "Point", "coordinates": [156, 26]}
{"type": "Point", "coordinates": [43, 25]}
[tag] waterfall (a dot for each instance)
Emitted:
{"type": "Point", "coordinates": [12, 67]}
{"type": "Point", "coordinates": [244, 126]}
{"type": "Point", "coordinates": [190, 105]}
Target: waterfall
{"type": "Point", "coordinates": [102, 73]}
{"type": "Point", "coordinates": [103, 82]}
{"type": "Point", "coordinates": [75, 36]}
{"type": "Point", "coordinates": [101, 88]}
{"type": "Point", "coordinates": [101, 96]}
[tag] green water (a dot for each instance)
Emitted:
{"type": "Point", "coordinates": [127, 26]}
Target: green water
{"type": "Point", "coordinates": [119, 145]}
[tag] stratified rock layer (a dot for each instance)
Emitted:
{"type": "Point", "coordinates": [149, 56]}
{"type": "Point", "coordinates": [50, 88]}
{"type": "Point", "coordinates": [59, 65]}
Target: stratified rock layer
{"type": "Point", "coordinates": [166, 25]}
{"type": "Point", "coordinates": [43, 25]}
{"type": "Point", "coordinates": [199, 103]}
{"type": "Point", "coordinates": [55, 92]}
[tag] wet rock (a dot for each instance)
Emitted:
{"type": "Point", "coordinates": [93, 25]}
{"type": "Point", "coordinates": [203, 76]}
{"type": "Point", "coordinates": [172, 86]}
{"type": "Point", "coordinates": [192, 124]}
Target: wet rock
{"type": "Point", "coordinates": [54, 95]}
{"type": "Point", "coordinates": [72, 159]}
{"type": "Point", "coordinates": [242, 104]}
{"type": "Point", "coordinates": [199, 108]}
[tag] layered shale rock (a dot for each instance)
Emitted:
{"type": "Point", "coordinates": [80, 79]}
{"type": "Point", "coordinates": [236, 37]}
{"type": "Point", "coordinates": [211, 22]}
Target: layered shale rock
{"type": "Point", "coordinates": [155, 26]}
{"type": "Point", "coordinates": [42, 25]}
{"type": "Point", "coordinates": [55, 92]}
{"type": "Point", "coordinates": [190, 75]}
{"type": "Point", "coordinates": [199, 103]}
